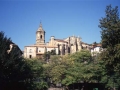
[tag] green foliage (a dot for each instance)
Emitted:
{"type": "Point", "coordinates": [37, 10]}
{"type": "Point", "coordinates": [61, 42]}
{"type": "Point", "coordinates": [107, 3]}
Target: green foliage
{"type": "Point", "coordinates": [55, 69]}
{"type": "Point", "coordinates": [82, 56]}
{"type": "Point", "coordinates": [80, 69]}
{"type": "Point", "coordinates": [110, 26]}
{"type": "Point", "coordinates": [83, 72]}
{"type": "Point", "coordinates": [110, 35]}
{"type": "Point", "coordinates": [4, 46]}
{"type": "Point", "coordinates": [38, 80]}
{"type": "Point", "coordinates": [48, 54]}
{"type": "Point", "coordinates": [16, 72]}
{"type": "Point", "coordinates": [72, 68]}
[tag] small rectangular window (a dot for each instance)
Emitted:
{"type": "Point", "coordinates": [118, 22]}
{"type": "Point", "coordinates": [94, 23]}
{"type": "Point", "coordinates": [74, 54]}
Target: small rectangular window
{"type": "Point", "coordinates": [30, 51]}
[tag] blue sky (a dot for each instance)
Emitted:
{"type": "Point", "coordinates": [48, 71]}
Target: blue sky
{"type": "Point", "coordinates": [20, 19]}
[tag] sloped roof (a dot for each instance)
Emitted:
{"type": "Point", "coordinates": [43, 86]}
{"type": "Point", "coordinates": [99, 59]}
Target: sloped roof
{"type": "Point", "coordinates": [39, 45]}
{"type": "Point", "coordinates": [60, 40]}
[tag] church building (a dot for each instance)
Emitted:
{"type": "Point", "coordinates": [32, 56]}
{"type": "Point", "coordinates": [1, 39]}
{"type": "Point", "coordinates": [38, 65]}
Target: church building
{"type": "Point", "coordinates": [60, 46]}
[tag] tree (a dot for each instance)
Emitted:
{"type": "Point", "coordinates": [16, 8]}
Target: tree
{"type": "Point", "coordinates": [110, 35]}
{"type": "Point", "coordinates": [83, 69]}
{"type": "Point", "coordinates": [81, 56]}
{"type": "Point", "coordinates": [4, 46]}
{"type": "Point", "coordinates": [47, 55]}
{"type": "Point", "coordinates": [16, 72]}
{"type": "Point", "coordinates": [110, 27]}
{"type": "Point", "coordinates": [13, 68]}
{"type": "Point", "coordinates": [55, 68]}
{"type": "Point", "coordinates": [70, 69]}
{"type": "Point", "coordinates": [38, 80]}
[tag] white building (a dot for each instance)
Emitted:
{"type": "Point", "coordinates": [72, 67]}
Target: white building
{"type": "Point", "coordinates": [96, 49]}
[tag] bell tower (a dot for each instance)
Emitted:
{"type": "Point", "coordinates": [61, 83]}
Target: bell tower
{"type": "Point", "coordinates": [40, 35]}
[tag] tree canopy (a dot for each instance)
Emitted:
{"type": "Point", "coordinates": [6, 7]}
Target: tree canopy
{"type": "Point", "coordinates": [110, 35]}
{"type": "Point", "coordinates": [110, 39]}
{"type": "Point", "coordinates": [16, 72]}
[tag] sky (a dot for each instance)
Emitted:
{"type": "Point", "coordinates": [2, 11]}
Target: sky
{"type": "Point", "coordinates": [20, 19]}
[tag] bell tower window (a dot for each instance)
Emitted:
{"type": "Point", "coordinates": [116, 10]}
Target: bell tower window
{"type": "Point", "coordinates": [41, 36]}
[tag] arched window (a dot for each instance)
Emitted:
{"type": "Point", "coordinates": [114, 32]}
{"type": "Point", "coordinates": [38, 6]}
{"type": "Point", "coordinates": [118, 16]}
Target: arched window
{"type": "Point", "coordinates": [41, 36]}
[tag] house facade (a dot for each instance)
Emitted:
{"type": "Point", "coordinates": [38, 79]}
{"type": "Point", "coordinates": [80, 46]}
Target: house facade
{"type": "Point", "coordinates": [96, 49]}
